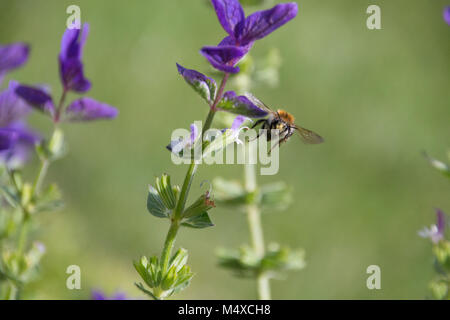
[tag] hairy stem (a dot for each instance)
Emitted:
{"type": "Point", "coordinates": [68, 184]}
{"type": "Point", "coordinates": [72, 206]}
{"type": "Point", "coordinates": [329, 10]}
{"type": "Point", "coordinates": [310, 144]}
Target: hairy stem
{"type": "Point", "coordinates": [181, 203]}
{"type": "Point", "coordinates": [169, 244]}
{"type": "Point", "coordinates": [40, 176]}
{"type": "Point", "coordinates": [254, 223]}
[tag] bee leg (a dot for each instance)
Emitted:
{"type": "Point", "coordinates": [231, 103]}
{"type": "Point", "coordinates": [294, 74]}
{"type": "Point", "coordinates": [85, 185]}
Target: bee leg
{"type": "Point", "coordinates": [257, 122]}
{"type": "Point", "coordinates": [280, 141]}
{"type": "Point", "coordinates": [262, 127]}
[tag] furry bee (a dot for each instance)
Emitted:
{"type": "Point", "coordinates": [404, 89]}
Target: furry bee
{"type": "Point", "coordinates": [282, 121]}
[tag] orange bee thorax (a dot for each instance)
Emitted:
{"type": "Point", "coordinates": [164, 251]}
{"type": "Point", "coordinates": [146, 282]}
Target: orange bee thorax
{"type": "Point", "coordinates": [286, 116]}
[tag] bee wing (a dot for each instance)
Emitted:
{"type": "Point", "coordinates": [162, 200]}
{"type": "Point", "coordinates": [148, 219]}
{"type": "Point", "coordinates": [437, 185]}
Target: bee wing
{"type": "Point", "coordinates": [309, 136]}
{"type": "Point", "coordinates": [258, 102]}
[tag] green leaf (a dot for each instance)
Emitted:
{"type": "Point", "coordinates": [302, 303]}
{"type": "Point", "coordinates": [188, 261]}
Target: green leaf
{"type": "Point", "coordinates": [49, 200]}
{"type": "Point", "coordinates": [53, 149]}
{"type": "Point", "coordinates": [141, 287]}
{"type": "Point", "coordinates": [201, 205]}
{"type": "Point", "coordinates": [169, 279]}
{"type": "Point", "coordinates": [246, 263]}
{"type": "Point", "coordinates": [275, 196]}
{"type": "Point", "coordinates": [166, 191]}
{"type": "Point", "coordinates": [199, 221]}
{"type": "Point", "coordinates": [179, 259]}
{"type": "Point", "coordinates": [439, 289]}
{"type": "Point", "coordinates": [155, 205]}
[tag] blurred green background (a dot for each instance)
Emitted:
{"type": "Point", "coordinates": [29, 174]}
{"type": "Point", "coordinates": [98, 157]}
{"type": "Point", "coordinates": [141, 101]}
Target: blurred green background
{"type": "Point", "coordinates": [378, 97]}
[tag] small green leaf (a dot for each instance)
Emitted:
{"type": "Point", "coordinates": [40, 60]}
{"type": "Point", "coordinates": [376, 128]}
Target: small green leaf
{"type": "Point", "coordinates": [141, 287]}
{"type": "Point", "coordinates": [439, 289]}
{"type": "Point", "coordinates": [49, 200]}
{"type": "Point", "coordinates": [53, 149]}
{"type": "Point", "coordinates": [165, 191]}
{"type": "Point", "coordinates": [155, 205]}
{"type": "Point", "coordinates": [199, 221]}
{"type": "Point", "coordinates": [201, 205]}
{"type": "Point", "coordinates": [275, 196]}
{"type": "Point", "coordinates": [179, 259]}
{"type": "Point", "coordinates": [169, 279]}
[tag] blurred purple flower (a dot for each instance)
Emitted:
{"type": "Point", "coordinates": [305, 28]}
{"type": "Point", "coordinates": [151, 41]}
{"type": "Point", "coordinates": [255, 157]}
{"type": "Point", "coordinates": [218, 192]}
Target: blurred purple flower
{"type": "Point", "coordinates": [83, 109]}
{"type": "Point", "coordinates": [447, 15]}
{"type": "Point", "coordinates": [437, 231]}
{"type": "Point", "coordinates": [7, 139]}
{"type": "Point", "coordinates": [176, 146]}
{"type": "Point", "coordinates": [72, 77]}
{"type": "Point", "coordinates": [100, 295]}
{"type": "Point", "coordinates": [37, 98]}
{"type": "Point", "coordinates": [243, 32]}
{"type": "Point", "coordinates": [88, 109]}
{"type": "Point", "coordinates": [17, 140]}
{"type": "Point", "coordinates": [70, 64]}
{"type": "Point", "coordinates": [241, 105]}
{"type": "Point", "coordinates": [12, 56]}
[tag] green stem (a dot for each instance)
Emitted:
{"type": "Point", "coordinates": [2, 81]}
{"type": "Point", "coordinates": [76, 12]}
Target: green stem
{"type": "Point", "coordinates": [40, 176]}
{"type": "Point", "coordinates": [176, 217]}
{"type": "Point", "coordinates": [254, 223]}
{"type": "Point", "coordinates": [168, 245]}
{"type": "Point", "coordinates": [11, 292]}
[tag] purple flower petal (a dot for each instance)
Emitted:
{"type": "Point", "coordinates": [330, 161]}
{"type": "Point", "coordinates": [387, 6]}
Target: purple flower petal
{"type": "Point", "coordinates": [88, 109]}
{"type": "Point", "coordinates": [12, 107]}
{"type": "Point", "coordinates": [13, 56]}
{"type": "Point", "coordinates": [98, 295]}
{"type": "Point", "coordinates": [237, 122]}
{"type": "Point", "coordinates": [447, 15]}
{"type": "Point", "coordinates": [7, 139]}
{"type": "Point", "coordinates": [241, 105]}
{"type": "Point", "coordinates": [37, 98]}
{"type": "Point", "coordinates": [119, 296]}
{"type": "Point", "coordinates": [261, 23]}
{"type": "Point", "coordinates": [194, 133]}
{"type": "Point", "coordinates": [23, 143]}
{"type": "Point", "coordinates": [224, 57]}
{"type": "Point", "coordinates": [72, 44]}
{"type": "Point", "coordinates": [204, 85]}
{"type": "Point", "coordinates": [229, 13]}
{"type": "Point", "coordinates": [70, 64]}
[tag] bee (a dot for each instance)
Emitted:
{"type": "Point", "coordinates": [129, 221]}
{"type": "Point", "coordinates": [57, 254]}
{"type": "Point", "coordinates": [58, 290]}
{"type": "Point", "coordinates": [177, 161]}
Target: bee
{"type": "Point", "coordinates": [282, 121]}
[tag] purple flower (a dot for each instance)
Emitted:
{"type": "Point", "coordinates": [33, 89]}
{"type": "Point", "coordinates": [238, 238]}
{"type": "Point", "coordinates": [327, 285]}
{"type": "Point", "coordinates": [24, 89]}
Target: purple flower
{"type": "Point", "coordinates": [88, 109]}
{"type": "Point", "coordinates": [12, 56]}
{"type": "Point", "coordinates": [204, 85]}
{"type": "Point", "coordinates": [72, 77]}
{"type": "Point", "coordinates": [100, 295]}
{"type": "Point", "coordinates": [177, 146]}
{"type": "Point", "coordinates": [16, 139]}
{"type": "Point", "coordinates": [243, 32]}
{"type": "Point", "coordinates": [12, 108]}
{"type": "Point", "coordinates": [437, 231]}
{"type": "Point", "coordinates": [21, 143]}
{"type": "Point", "coordinates": [83, 109]}
{"type": "Point", "coordinates": [70, 64]}
{"type": "Point", "coordinates": [7, 139]}
{"type": "Point", "coordinates": [37, 98]}
{"type": "Point", "coordinates": [447, 15]}
{"type": "Point", "coordinates": [233, 103]}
